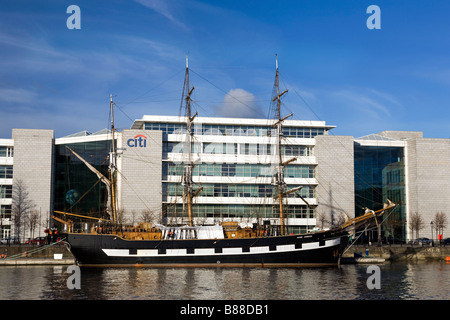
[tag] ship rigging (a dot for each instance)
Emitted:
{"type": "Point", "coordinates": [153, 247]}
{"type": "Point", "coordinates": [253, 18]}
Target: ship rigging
{"type": "Point", "coordinates": [109, 242]}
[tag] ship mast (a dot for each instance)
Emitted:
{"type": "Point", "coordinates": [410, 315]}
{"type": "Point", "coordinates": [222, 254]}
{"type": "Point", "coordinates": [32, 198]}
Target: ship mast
{"type": "Point", "coordinates": [187, 182]}
{"type": "Point", "coordinates": [112, 163]}
{"type": "Point", "coordinates": [280, 166]}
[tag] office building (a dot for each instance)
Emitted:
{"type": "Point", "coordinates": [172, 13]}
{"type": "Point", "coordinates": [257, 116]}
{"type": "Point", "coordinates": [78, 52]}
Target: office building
{"type": "Point", "coordinates": [235, 161]}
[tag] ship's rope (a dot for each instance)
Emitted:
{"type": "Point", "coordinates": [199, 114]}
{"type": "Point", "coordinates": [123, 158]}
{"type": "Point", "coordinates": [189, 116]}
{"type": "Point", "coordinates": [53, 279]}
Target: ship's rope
{"type": "Point", "coordinates": [27, 253]}
{"type": "Point", "coordinates": [365, 230]}
{"type": "Point", "coordinates": [356, 239]}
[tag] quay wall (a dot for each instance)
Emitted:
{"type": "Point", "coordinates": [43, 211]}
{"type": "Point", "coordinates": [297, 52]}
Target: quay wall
{"type": "Point", "coordinates": [29, 251]}
{"type": "Point", "coordinates": [388, 252]}
{"type": "Point", "coordinates": [401, 252]}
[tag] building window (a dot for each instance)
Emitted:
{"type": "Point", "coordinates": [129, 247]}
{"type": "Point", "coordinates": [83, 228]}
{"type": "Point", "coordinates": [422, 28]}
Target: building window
{"type": "Point", "coordinates": [6, 172]}
{"type": "Point", "coordinates": [255, 149]}
{"type": "Point", "coordinates": [5, 211]}
{"type": "Point", "coordinates": [238, 170]}
{"type": "Point", "coordinates": [302, 171]}
{"type": "Point", "coordinates": [5, 192]}
{"type": "Point", "coordinates": [178, 147]}
{"type": "Point", "coordinates": [295, 132]}
{"type": "Point", "coordinates": [234, 130]}
{"type": "Point", "coordinates": [296, 150]}
{"type": "Point", "coordinates": [236, 190]}
{"type": "Point", "coordinates": [167, 128]}
{"type": "Point", "coordinates": [220, 211]}
{"type": "Point", "coordinates": [6, 152]}
{"type": "Point", "coordinates": [220, 148]}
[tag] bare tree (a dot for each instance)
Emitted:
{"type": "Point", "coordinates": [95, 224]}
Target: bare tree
{"type": "Point", "coordinates": [339, 219]}
{"type": "Point", "coordinates": [132, 217]}
{"type": "Point", "coordinates": [322, 219]}
{"type": "Point", "coordinates": [392, 225]}
{"type": "Point", "coordinates": [146, 215]}
{"type": "Point", "coordinates": [121, 216]}
{"type": "Point", "coordinates": [416, 223]}
{"type": "Point", "coordinates": [440, 222]}
{"type": "Point", "coordinates": [32, 221]}
{"type": "Point", "coordinates": [22, 206]}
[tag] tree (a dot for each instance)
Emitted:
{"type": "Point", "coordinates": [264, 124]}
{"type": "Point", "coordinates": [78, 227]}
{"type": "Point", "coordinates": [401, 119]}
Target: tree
{"type": "Point", "coordinates": [440, 222]}
{"type": "Point", "coordinates": [393, 225]}
{"type": "Point", "coordinates": [120, 216]}
{"type": "Point", "coordinates": [21, 207]}
{"type": "Point", "coordinates": [322, 220]}
{"type": "Point", "coordinates": [32, 221]}
{"type": "Point", "coordinates": [149, 216]}
{"type": "Point", "coordinates": [416, 223]}
{"type": "Point", "coordinates": [339, 219]}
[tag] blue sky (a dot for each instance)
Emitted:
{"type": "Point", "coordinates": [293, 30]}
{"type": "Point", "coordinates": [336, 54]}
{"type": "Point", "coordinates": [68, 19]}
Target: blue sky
{"type": "Point", "coordinates": [336, 69]}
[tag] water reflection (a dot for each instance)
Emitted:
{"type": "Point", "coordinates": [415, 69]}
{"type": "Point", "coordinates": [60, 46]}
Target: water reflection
{"type": "Point", "coordinates": [398, 281]}
{"type": "Point", "coordinates": [425, 281]}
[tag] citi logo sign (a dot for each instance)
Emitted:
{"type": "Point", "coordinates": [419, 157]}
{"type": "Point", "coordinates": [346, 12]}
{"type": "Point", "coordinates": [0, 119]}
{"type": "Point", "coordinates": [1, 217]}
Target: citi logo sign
{"type": "Point", "coordinates": [139, 141]}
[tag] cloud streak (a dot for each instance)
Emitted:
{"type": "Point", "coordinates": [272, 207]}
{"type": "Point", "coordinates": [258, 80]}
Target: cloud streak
{"type": "Point", "coordinates": [16, 95]}
{"type": "Point", "coordinates": [162, 7]}
{"type": "Point", "coordinates": [371, 103]}
{"type": "Point", "coordinates": [363, 103]}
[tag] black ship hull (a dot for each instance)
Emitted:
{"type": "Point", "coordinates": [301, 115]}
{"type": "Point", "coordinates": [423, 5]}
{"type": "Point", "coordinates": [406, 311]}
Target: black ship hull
{"type": "Point", "coordinates": [323, 248]}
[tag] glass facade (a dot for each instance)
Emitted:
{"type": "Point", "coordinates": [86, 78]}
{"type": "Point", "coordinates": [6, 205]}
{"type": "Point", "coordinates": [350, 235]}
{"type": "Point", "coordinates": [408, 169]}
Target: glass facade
{"type": "Point", "coordinates": [237, 170]}
{"type": "Point", "coordinates": [236, 190]}
{"type": "Point", "coordinates": [77, 189]}
{"type": "Point", "coordinates": [380, 175]}
{"type": "Point", "coordinates": [235, 130]}
{"type": "Point", "coordinates": [227, 189]}
{"type": "Point", "coordinates": [232, 148]}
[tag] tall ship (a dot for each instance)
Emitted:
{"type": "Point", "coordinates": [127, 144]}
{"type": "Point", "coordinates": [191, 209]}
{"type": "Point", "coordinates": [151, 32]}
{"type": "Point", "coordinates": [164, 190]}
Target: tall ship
{"type": "Point", "coordinates": [109, 242]}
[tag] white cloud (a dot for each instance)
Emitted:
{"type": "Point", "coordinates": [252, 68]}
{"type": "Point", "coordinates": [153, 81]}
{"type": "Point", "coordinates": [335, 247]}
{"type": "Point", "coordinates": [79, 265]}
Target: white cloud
{"type": "Point", "coordinates": [239, 103]}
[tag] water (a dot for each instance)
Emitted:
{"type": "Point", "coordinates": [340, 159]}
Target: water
{"type": "Point", "coordinates": [404, 281]}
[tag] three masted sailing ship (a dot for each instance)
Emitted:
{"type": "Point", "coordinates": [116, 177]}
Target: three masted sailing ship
{"type": "Point", "coordinates": [227, 244]}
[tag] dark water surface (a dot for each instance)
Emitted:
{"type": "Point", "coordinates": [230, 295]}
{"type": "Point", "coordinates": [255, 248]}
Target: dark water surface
{"type": "Point", "coordinates": [422, 280]}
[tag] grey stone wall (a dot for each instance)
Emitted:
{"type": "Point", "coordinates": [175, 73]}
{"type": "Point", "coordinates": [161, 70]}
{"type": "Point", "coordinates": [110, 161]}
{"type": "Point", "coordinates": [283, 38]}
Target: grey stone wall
{"type": "Point", "coordinates": [33, 164]}
{"type": "Point", "coordinates": [140, 164]}
{"type": "Point", "coordinates": [335, 175]}
{"type": "Point", "coordinates": [429, 180]}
